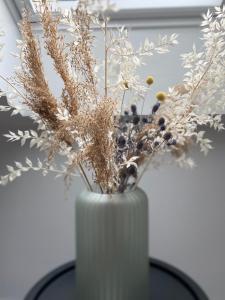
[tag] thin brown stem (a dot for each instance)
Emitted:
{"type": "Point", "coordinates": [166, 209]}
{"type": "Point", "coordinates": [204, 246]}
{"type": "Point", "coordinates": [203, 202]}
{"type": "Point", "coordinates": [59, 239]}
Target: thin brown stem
{"type": "Point", "coordinates": [106, 60]}
{"type": "Point", "coordinates": [121, 109]}
{"type": "Point", "coordinates": [83, 174]}
{"type": "Point", "coordinates": [101, 188]}
{"type": "Point", "coordinates": [213, 56]}
{"type": "Point", "coordinates": [12, 86]}
{"type": "Point", "coordinates": [146, 165]}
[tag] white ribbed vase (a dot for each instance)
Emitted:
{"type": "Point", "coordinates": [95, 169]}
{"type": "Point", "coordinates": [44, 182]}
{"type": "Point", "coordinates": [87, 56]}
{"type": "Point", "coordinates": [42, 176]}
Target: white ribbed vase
{"type": "Point", "coordinates": [112, 246]}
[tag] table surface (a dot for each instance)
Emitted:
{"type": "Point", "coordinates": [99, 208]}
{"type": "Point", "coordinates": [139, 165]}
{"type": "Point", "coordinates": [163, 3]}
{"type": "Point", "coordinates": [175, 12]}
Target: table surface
{"type": "Point", "coordinates": [167, 283]}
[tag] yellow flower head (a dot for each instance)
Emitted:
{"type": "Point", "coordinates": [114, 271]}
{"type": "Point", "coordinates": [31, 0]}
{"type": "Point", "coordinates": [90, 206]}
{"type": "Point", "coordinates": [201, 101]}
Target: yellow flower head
{"type": "Point", "coordinates": [150, 80]}
{"type": "Point", "coordinates": [161, 96]}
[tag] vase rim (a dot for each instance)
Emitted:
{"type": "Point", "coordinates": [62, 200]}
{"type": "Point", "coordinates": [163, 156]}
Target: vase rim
{"type": "Point", "coordinates": [113, 194]}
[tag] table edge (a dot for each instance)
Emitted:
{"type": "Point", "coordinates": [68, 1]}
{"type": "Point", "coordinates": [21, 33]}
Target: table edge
{"type": "Point", "coordinates": [187, 281]}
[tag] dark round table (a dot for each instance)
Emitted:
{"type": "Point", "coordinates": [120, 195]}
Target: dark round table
{"type": "Point", "coordinates": [167, 283]}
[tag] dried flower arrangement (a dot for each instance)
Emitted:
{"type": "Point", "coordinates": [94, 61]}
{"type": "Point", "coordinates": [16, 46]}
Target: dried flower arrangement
{"type": "Point", "coordinates": [91, 127]}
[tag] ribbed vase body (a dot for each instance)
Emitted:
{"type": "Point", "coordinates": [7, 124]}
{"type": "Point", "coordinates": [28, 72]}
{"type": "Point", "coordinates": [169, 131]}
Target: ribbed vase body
{"type": "Point", "coordinates": [112, 246]}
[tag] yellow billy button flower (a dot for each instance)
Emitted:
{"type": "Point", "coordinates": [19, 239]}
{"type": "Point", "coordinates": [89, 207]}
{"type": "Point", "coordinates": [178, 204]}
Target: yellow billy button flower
{"type": "Point", "coordinates": [150, 80]}
{"type": "Point", "coordinates": [161, 96]}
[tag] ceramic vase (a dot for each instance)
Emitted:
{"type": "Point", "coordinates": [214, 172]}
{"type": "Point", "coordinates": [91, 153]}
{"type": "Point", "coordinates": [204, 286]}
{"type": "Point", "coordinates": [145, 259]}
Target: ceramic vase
{"type": "Point", "coordinates": [112, 246]}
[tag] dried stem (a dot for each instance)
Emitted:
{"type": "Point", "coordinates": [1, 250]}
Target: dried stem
{"type": "Point", "coordinates": [13, 87]}
{"type": "Point", "coordinates": [142, 107]}
{"type": "Point", "coordinates": [106, 59]}
{"type": "Point", "coordinates": [121, 109]}
{"type": "Point", "coordinates": [204, 74]}
{"type": "Point", "coordinates": [146, 165]}
{"type": "Point", "coordinates": [85, 177]}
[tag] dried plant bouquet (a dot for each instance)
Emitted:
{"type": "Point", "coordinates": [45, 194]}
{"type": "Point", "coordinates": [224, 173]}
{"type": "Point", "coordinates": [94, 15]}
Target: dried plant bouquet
{"type": "Point", "coordinates": [98, 130]}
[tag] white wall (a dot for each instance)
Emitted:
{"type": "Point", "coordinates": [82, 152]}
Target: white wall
{"type": "Point", "coordinates": [187, 208]}
{"type": "Point", "coordinates": [9, 26]}
{"type": "Point", "coordinates": [161, 3]}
